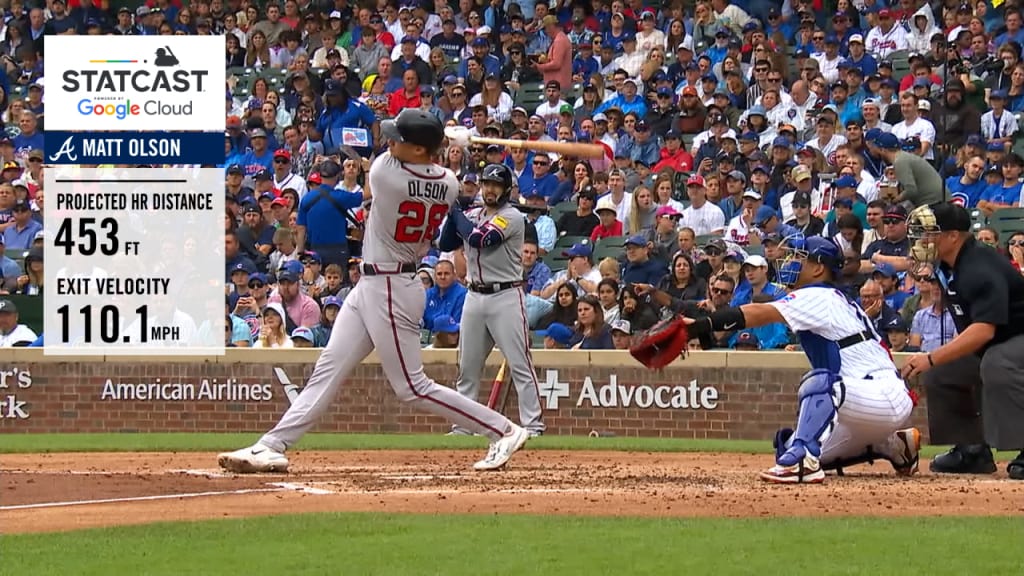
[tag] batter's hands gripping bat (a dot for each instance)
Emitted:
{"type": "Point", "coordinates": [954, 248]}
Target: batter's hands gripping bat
{"type": "Point", "coordinates": [461, 136]}
{"type": "Point", "coordinates": [499, 383]}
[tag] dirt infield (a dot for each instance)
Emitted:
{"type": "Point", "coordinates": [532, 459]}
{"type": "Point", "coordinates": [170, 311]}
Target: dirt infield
{"type": "Point", "coordinates": [54, 492]}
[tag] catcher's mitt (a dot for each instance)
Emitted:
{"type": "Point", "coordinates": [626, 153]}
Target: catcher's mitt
{"type": "Point", "coordinates": [661, 344]}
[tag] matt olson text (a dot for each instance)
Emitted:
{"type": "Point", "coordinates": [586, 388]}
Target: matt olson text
{"type": "Point", "coordinates": [206, 389]}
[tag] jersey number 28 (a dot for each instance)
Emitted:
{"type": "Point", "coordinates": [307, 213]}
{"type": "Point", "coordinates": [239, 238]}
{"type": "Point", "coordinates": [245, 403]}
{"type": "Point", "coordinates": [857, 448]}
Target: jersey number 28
{"type": "Point", "coordinates": [418, 222]}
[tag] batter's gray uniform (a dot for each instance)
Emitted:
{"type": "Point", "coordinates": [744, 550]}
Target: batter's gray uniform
{"type": "Point", "coordinates": [495, 313]}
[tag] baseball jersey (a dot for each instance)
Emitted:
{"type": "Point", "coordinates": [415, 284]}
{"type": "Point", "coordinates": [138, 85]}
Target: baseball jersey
{"type": "Point", "coordinates": [881, 44]}
{"type": "Point", "coordinates": [409, 203]}
{"type": "Point", "coordinates": [501, 263]}
{"type": "Point", "coordinates": [822, 316]}
{"type": "Point", "coordinates": [921, 128]}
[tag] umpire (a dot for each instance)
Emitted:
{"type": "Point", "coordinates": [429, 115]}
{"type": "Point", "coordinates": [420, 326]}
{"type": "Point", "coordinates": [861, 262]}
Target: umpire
{"type": "Point", "coordinates": [985, 296]}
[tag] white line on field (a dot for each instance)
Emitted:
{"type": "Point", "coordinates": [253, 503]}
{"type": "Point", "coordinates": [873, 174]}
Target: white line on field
{"type": "Point", "coordinates": [301, 488]}
{"type": "Point", "coordinates": [206, 473]}
{"type": "Point", "coordinates": [140, 498]}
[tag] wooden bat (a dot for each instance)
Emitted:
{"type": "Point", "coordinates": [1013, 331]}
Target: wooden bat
{"type": "Point", "coordinates": [461, 136]}
{"type": "Point", "coordinates": [575, 149]}
{"type": "Point", "coordinates": [499, 383]}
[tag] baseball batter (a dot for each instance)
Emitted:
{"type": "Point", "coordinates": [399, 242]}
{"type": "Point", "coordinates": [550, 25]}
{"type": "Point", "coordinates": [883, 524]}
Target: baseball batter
{"type": "Point", "coordinates": [495, 307]}
{"type": "Point", "coordinates": [411, 196]}
{"type": "Point", "coordinates": [853, 402]}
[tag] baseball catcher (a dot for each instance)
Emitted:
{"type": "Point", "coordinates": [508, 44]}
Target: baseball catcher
{"type": "Point", "coordinates": [852, 403]}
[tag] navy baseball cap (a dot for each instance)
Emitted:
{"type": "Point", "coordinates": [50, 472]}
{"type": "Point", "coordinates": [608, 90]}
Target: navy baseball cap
{"type": "Point", "coordinates": [781, 142]}
{"type": "Point", "coordinates": [560, 333]}
{"type": "Point", "coordinates": [235, 169]}
{"type": "Point", "coordinates": [747, 338]}
{"type": "Point", "coordinates": [242, 267]}
{"type": "Point", "coordinates": [637, 240]}
{"type": "Point", "coordinates": [887, 141]}
{"type": "Point", "coordinates": [332, 301]}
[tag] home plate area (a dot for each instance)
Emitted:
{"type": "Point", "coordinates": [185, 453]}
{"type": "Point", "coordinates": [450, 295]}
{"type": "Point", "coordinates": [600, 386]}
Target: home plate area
{"type": "Point", "coordinates": [42, 492]}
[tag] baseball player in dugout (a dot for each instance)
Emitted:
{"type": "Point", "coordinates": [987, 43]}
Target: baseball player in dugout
{"type": "Point", "coordinates": [411, 196]}
{"type": "Point", "coordinates": [985, 296]}
{"type": "Point", "coordinates": [494, 312]}
{"type": "Point", "coordinates": [853, 404]}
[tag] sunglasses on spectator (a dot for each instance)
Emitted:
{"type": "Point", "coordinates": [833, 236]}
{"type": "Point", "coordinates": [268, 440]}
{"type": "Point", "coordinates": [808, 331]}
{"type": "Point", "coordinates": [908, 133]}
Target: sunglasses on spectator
{"type": "Point", "coordinates": [458, 94]}
{"type": "Point", "coordinates": [924, 278]}
{"type": "Point", "coordinates": [892, 220]}
{"type": "Point", "coordinates": [721, 291]}
{"type": "Point", "coordinates": [540, 163]}
{"type": "Point", "coordinates": [280, 160]}
{"type": "Point", "coordinates": [760, 69]}
{"type": "Point", "coordinates": [256, 285]}
{"type": "Point", "coordinates": [818, 38]}
{"type": "Point", "coordinates": [713, 252]}
{"type": "Point", "coordinates": [477, 149]}
{"type": "Point", "coordinates": [1015, 243]}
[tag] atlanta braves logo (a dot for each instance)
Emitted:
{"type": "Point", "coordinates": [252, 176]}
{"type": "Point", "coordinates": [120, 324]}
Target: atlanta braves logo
{"type": "Point", "coordinates": [66, 149]}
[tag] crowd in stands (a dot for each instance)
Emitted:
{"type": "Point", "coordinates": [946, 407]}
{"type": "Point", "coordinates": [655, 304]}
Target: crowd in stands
{"type": "Point", "coordinates": [727, 126]}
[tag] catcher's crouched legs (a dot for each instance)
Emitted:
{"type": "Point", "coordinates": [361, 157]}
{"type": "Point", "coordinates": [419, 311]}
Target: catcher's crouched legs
{"type": "Point", "coordinates": [797, 457]}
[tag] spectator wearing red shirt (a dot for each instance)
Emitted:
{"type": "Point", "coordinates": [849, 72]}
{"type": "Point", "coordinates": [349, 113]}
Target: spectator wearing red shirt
{"type": "Point", "coordinates": [673, 155]}
{"type": "Point", "coordinates": [610, 226]}
{"type": "Point", "coordinates": [408, 96]}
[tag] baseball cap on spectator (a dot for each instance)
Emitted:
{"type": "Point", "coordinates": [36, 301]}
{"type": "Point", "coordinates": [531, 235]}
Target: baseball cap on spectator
{"type": "Point", "coordinates": [998, 94]}
{"type": "Point", "coordinates": [995, 147]}
{"type": "Point", "coordinates": [924, 105]}
{"type": "Point", "coordinates": [994, 169]}
{"type": "Point", "coordinates": [887, 141]}
{"type": "Point", "coordinates": [579, 250]}
{"type": "Point", "coordinates": [303, 333]}
{"type": "Point", "coordinates": [310, 256]}
{"type": "Point", "coordinates": [553, 84]}
{"type": "Point", "coordinates": [737, 175]}
{"type": "Point", "coordinates": [477, 42]}
{"type": "Point", "coordinates": [641, 126]}
{"type": "Point", "coordinates": [756, 260]}
{"type": "Point", "coordinates": [716, 244]}
{"type": "Point", "coordinates": [759, 168]}
{"type": "Point", "coordinates": [748, 339]}
{"type": "Point", "coordinates": [283, 153]}
{"type": "Point", "coordinates": [855, 38]}
{"type": "Point", "coordinates": [235, 169]}
{"type": "Point", "coordinates": [885, 270]}
{"type": "Point", "coordinates": [446, 324]}
{"type": "Point", "coordinates": [242, 267]}
{"type": "Point", "coordinates": [673, 135]}
{"type": "Point", "coordinates": [600, 117]}
{"type": "Point", "coordinates": [606, 205]}
{"type": "Point", "coordinates": [689, 91]}
{"type": "Point", "coordinates": [8, 307]}
{"type": "Point", "coordinates": [279, 202]}
{"type": "Point", "coordinates": [871, 136]}
{"type": "Point", "coordinates": [469, 177]}
{"type": "Point", "coordinates": [884, 13]}
{"type": "Point", "coordinates": [263, 174]}
{"type": "Point", "coordinates": [286, 276]}
{"type": "Point", "coordinates": [773, 238]}
{"type": "Point", "coordinates": [566, 109]}
{"type": "Point", "coordinates": [722, 32]}
{"type": "Point", "coordinates": [636, 240]}
{"type": "Point", "coordinates": [251, 209]}
{"type": "Point", "coordinates": [781, 142]}
{"type": "Point", "coordinates": [695, 180]}
{"type": "Point", "coordinates": [668, 211]}
{"type": "Point", "coordinates": [976, 139]}
{"type": "Point", "coordinates": [896, 212]}
{"type": "Point", "coordinates": [257, 133]}
{"type": "Point", "coordinates": [620, 325]}
{"type": "Point", "coordinates": [331, 301]}
{"type": "Point", "coordinates": [922, 83]}
{"type": "Point", "coordinates": [751, 193]}
{"type": "Point", "coordinates": [846, 181]}
{"type": "Point", "coordinates": [763, 215]}
{"type": "Point", "coordinates": [801, 199]}
{"type": "Point", "coordinates": [558, 332]}
{"type": "Point", "coordinates": [801, 173]}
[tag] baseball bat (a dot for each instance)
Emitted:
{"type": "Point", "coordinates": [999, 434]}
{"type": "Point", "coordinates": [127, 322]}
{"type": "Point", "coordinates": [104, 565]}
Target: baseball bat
{"type": "Point", "coordinates": [561, 148]}
{"type": "Point", "coordinates": [499, 379]}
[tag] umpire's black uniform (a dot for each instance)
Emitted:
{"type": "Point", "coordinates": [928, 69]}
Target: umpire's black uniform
{"type": "Point", "coordinates": [981, 287]}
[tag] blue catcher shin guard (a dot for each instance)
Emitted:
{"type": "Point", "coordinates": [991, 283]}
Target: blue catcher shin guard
{"type": "Point", "coordinates": [818, 406]}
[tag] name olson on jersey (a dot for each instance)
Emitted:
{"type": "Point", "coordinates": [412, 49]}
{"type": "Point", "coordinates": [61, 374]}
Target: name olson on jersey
{"type": "Point", "coordinates": [428, 190]}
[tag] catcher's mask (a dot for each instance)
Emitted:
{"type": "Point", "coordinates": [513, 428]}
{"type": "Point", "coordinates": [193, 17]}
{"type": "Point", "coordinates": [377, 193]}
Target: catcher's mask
{"type": "Point", "coordinates": [797, 249]}
{"type": "Point", "coordinates": [924, 230]}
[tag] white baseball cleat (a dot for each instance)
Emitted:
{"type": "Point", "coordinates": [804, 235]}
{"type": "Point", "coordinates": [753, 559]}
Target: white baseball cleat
{"type": "Point", "coordinates": [500, 451]}
{"type": "Point", "coordinates": [807, 471]}
{"type": "Point", "coordinates": [254, 459]}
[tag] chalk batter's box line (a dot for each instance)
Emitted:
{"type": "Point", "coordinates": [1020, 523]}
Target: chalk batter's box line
{"type": "Point", "coordinates": [141, 498]}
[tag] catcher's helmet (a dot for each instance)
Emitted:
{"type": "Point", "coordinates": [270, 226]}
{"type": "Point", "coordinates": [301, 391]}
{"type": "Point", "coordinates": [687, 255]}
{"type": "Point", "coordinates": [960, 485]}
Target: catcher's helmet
{"type": "Point", "coordinates": [415, 127]}
{"type": "Point", "coordinates": [815, 248]}
{"type": "Point", "coordinates": [499, 174]}
{"type": "Point", "coordinates": [925, 222]}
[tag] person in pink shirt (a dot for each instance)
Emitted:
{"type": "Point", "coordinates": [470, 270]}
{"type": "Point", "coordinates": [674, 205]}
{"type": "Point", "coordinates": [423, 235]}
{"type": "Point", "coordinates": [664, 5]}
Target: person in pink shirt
{"type": "Point", "coordinates": [300, 309]}
{"type": "Point", "coordinates": [557, 63]}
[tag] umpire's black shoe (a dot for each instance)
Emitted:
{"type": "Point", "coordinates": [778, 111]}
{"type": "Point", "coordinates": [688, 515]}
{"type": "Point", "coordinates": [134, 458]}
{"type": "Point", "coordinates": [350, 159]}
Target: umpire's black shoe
{"type": "Point", "coordinates": [1016, 467]}
{"type": "Point", "coordinates": [972, 459]}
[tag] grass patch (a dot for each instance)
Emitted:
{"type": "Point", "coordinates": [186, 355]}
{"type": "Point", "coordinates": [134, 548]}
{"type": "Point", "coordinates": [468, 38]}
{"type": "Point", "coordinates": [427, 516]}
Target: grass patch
{"type": "Point", "coordinates": [396, 545]}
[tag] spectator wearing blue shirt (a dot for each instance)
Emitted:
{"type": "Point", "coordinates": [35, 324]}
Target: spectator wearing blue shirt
{"type": "Point", "coordinates": [20, 234]}
{"type": "Point", "coordinates": [445, 298]}
{"type": "Point", "coordinates": [1007, 192]}
{"type": "Point", "coordinates": [261, 157]}
{"type": "Point", "coordinates": [645, 145]}
{"type": "Point", "coordinates": [30, 137]}
{"type": "Point", "coordinates": [536, 273]}
{"type": "Point", "coordinates": [585, 64]}
{"type": "Point", "coordinates": [777, 24]}
{"type": "Point", "coordinates": [490, 62]}
{"type": "Point", "coordinates": [1014, 30]}
{"type": "Point", "coordinates": [639, 267]}
{"type": "Point", "coordinates": [860, 59]}
{"type": "Point", "coordinates": [341, 112]}
{"type": "Point", "coordinates": [322, 225]}
{"type": "Point", "coordinates": [547, 232]}
{"type": "Point", "coordinates": [543, 183]}
{"type": "Point", "coordinates": [967, 189]}
{"type": "Point", "coordinates": [888, 279]}
{"type": "Point", "coordinates": [720, 49]}
{"type": "Point", "coordinates": [627, 102]}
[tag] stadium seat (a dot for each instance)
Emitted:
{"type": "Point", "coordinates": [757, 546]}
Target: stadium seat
{"type": "Point", "coordinates": [565, 242]}
{"type": "Point", "coordinates": [556, 211]}
{"type": "Point", "coordinates": [555, 261]}
{"type": "Point", "coordinates": [900, 63]}
{"type": "Point", "coordinates": [529, 96]}
{"type": "Point", "coordinates": [1007, 221]}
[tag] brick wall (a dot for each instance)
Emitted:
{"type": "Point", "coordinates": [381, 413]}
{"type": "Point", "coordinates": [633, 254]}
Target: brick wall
{"type": "Point", "coordinates": [744, 397]}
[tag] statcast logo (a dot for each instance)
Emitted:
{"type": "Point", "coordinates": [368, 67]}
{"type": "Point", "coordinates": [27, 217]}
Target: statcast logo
{"type": "Point", "coordinates": [615, 395]}
{"type": "Point", "coordinates": [12, 380]}
{"type": "Point", "coordinates": [105, 84]}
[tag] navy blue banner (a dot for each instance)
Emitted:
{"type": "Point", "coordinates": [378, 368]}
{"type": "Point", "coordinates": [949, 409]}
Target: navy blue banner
{"type": "Point", "coordinates": [134, 148]}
